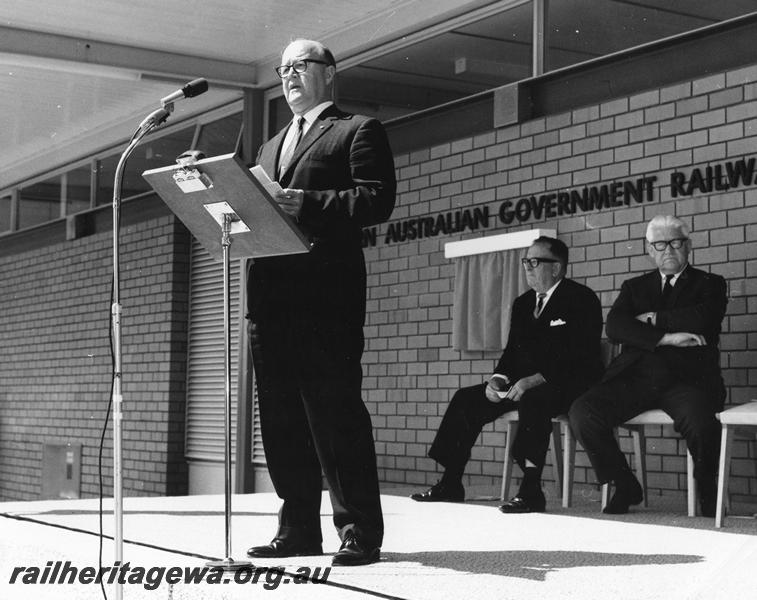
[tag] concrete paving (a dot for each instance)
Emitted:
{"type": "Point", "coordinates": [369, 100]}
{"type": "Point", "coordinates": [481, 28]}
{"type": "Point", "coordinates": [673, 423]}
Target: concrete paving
{"type": "Point", "coordinates": [430, 552]}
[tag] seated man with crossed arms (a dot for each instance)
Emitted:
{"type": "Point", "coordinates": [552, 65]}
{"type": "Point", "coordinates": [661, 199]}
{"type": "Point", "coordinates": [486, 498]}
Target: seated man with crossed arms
{"type": "Point", "coordinates": [668, 322]}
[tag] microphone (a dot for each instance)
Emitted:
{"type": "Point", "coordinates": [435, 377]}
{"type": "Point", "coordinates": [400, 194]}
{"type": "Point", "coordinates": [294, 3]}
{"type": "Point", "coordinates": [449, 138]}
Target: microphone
{"type": "Point", "coordinates": [192, 89]}
{"type": "Point", "coordinates": [154, 119]}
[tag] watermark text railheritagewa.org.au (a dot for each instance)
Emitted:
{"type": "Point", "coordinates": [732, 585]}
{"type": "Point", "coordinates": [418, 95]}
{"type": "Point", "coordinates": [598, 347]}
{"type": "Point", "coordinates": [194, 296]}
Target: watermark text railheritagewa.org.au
{"type": "Point", "coordinates": [64, 573]}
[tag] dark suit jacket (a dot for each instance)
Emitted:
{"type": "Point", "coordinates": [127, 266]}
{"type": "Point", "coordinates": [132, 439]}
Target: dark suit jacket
{"type": "Point", "coordinates": [563, 344]}
{"type": "Point", "coordinates": [345, 166]}
{"type": "Point", "coordinates": [697, 305]}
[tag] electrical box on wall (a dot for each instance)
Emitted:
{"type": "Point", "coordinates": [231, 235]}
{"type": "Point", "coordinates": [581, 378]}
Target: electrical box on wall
{"type": "Point", "coordinates": [512, 104]}
{"type": "Point", "coordinates": [61, 471]}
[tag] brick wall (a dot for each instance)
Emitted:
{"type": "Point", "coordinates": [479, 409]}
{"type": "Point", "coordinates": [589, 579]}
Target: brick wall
{"type": "Point", "coordinates": [55, 314]}
{"type": "Point", "coordinates": [55, 352]}
{"type": "Point", "coordinates": [411, 370]}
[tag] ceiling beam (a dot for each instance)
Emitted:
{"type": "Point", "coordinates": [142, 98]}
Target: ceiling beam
{"type": "Point", "coordinates": [404, 24]}
{"type": "Point", "coordinates": [150, 63]}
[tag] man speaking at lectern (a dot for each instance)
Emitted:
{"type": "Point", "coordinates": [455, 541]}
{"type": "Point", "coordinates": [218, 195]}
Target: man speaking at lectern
{"type": "Point", "coordinates": [307, 313]}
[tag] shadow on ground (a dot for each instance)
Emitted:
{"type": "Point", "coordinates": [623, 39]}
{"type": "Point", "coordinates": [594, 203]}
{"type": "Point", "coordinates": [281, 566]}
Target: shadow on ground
{"type": "Point", "coordinates": [533, 564]}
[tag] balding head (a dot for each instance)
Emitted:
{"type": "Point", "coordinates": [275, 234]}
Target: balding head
{"type": "Point", "coordinates": [313, 85]}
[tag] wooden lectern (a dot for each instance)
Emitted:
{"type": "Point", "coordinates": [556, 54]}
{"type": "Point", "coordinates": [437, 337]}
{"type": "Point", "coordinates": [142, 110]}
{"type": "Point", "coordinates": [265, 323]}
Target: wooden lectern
{"type": "Point", "coordinates": [220, 201]}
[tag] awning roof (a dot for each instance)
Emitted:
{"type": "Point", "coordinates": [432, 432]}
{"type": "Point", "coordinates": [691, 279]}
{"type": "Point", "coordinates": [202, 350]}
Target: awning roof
{"type": "Point", "coordinates": [76, 76]}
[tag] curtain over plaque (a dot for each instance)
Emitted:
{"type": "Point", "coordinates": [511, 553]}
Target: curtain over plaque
{"type": "Point", "coordinates": [488, 277]}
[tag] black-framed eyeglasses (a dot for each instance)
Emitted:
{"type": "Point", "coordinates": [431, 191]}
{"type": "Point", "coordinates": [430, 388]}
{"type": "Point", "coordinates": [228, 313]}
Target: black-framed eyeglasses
{"type": "Point", "coordinates": [535, 262]}
{"type": "Point", "coordinates": [675, 243]}
{"type": "Point", "coordinates": [298, 66]}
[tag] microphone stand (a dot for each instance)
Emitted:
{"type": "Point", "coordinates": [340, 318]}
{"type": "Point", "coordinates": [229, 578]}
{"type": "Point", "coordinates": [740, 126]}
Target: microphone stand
{"type": "Point", "coordinates": [153, 120]}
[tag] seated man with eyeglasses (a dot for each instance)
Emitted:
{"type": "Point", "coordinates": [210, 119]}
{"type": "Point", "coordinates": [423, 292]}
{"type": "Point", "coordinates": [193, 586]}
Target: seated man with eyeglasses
{"type": "Point", "coordinates": [668, 322]}
{"type": "Point", "coordinates": [552, 356]}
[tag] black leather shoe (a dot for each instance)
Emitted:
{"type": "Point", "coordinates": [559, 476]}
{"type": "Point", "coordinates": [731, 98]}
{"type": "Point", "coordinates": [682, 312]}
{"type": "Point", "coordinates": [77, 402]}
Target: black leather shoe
{"type": "Point", "coordinates": [626, 494]}
{"type": "Point", "coordinates": [282, 547]}
{"type": "Point", "coordinates": [441, 492]}
{"type": "Point", "coordinates": [353, 553]}
{"type": "Point", "coordinates": [520, 504]}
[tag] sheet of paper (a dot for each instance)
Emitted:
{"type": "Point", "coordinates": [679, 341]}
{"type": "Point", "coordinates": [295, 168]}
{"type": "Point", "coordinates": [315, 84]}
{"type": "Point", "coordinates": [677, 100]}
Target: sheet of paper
{"type": "Point", "coordinates": [270, 186]}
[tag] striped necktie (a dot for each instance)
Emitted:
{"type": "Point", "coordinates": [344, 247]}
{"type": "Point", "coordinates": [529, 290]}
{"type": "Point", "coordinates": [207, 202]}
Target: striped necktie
{"type": "Point", "coordinates": [539, 304]}
{"type": "Point", "coordinates": [288, 152]}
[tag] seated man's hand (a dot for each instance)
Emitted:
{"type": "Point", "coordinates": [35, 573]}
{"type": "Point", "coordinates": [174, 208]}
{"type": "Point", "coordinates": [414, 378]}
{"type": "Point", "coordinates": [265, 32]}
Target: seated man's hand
{"type": "Point", "coordinates": [290, 201]}
{"type": "Point", "coordinates": [521, 386]}
{"type": "Point", "coordinates": [682, 339]}
{"type": "Point", "coordinates": [647, 317]}
{"type": "Point", "coordinates": [494, 388]}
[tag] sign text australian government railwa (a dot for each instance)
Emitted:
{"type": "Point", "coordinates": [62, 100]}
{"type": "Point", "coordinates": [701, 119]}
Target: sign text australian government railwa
{"type": "Point", "coordinates": [699, 180]}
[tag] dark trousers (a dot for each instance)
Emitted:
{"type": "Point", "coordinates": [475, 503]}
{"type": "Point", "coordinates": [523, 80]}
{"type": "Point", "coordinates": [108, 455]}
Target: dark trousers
{"type": "Point", "coordinates": [469, 410]}
{"type": "Point", "coordinates": [605, 406]}
{"type": "Point", "coordinates": [313, 420]}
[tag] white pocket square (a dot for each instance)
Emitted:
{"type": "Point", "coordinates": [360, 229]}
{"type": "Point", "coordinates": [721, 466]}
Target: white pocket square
{"type": "Point", "coordinates": [557, 323]}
